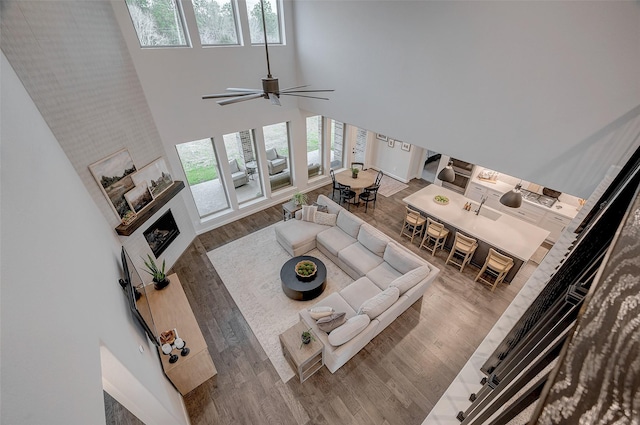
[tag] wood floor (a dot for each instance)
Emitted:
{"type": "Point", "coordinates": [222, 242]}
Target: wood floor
{"type": "Point", "coordinates": [396, 379]}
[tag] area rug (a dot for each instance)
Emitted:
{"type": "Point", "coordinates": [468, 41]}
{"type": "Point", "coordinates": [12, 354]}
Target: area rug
{"type": "Point", "coordinates": [250, 270]}
{"type": "Point", "coordinates": [390, 186]}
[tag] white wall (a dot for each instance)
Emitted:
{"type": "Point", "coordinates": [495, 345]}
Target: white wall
{"type": "Point", "coordinates": [399, 164]}
{"type": "Point", "coordinates": [526, 88]}
{"type": "Point", "coordinates": [60, 296]}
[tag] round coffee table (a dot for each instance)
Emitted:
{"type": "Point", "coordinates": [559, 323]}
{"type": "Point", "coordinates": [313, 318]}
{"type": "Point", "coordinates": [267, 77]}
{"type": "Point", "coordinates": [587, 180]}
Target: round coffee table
{"type": "Point", "coordinates": [297, 289]}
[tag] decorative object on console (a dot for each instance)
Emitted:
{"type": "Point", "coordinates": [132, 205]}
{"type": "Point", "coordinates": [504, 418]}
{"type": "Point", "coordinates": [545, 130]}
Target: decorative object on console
{"type": "Point", "coordinates": [513, 198]}
{"type": "Point", "coordinates": [306, 270]}
{"type": "Point", "coordinates": [406, 146]}
{"type": "Point", "coordinates": [155, 175]}
{"type": "Point", "coordinates": [170, 341]}
{"type": "Point", "coordinates": [160, 279]}
{"type": "Point", "coordinates": [306, 337]}
{"type": "Point", "coordinates": [447, 174]}
{"type": "Point", "coordinates": [299, 198]}
{"type": "Point", "coordinates": [354, 172]}
{"type": "Point", "coordinates": [113, 175]}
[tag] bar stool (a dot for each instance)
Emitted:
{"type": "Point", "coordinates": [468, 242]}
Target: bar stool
{"type": "Point", "coordinates": [436, 233]}
{"type": "Point", "coordinates": [496, 264]}
{"type": "Point", "coordinates": [463, 246]}
{"type": "Point", "coordinates": [413, 224]}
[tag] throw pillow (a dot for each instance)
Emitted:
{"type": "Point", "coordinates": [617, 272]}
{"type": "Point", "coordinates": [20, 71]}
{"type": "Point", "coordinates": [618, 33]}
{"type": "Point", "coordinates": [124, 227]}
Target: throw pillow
{"type": "Point", "coordinates": [309, 213]}
{"type": "Point", "coordinates": [411, 279]}
{"type": "Point", "coordinates": [329, 323]}
{"type": "Point", "coordinates": [349, 330]}
{"type": "Point", "coordinates": [318, 312]}
{"type": "Point", "coordinates": [326, 218]}
{"type": "Point", "coordinates": [375, 306]}
{"type": "Point", "coordinates": [321, 208]}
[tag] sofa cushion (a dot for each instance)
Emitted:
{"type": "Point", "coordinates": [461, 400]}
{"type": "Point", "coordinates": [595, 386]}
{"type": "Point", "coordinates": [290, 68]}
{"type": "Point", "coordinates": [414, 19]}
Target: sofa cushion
{"type": "Point", "coordinates": [383, 275]}
{"type": "Point", "coordinates": [329, 323]}
{"type": "Point", "coordinates": [359, 258]}
{"type": "Point", "coordinates": [272, 154]}
{"type": "Point", "coordinates": [334, 240]}
{"type": "Point", "coordinates": [399, 259]}
{"type": "Point", "coordinates": [376, 305]}
{"type": "Point", "coordinates": [309, 213]}
{"type": "Point", "coordinates": [296, 233]}
{"type": "Point", "coordinates": [349, 223]}
{"type": "Point", "coordinates": [349, 330]}
{"type": "Point", "coordinates": [410, 279]}
{"type": "Point", "coordinates": [358, 292]}
{"type": "Point", "coordinates": [373, 239]}
{"type": "Point", "coordinates": [233, 165]}
{"type": "Point", "coordinates": [320, 312]}
{"type": "Point", "coordinates": [326, 218]}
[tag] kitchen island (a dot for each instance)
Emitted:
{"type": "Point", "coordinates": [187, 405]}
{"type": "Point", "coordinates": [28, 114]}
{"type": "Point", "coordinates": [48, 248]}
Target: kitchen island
{"type": "Point", "coordinates": [493, 229]}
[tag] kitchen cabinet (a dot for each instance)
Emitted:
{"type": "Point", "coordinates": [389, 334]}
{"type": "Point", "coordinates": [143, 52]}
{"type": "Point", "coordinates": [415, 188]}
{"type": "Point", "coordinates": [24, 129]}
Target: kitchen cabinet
{"type": "Point", "coordinates": [555, 224]}
{"type": "Point", "coordinates": [475, 191]}
{"type": "Point", "coordinates": [493, 199]}
{"type": "Point", "coordinates": [526, 212]}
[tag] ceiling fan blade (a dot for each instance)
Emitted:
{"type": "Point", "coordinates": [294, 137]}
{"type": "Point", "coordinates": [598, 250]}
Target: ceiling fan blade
{"type": "Point", "coordinates": [302, 95]}
{"type": "Point", "coordinates": [274, 99]}
{"type": "Point", "coordinates": [297, 87]}
{"type": "Point", "coordinates": [308, 91]}
{"type": "Point", "coordinates": [239, 99]}
{"type": "Point", "coordinates": [241, 90]}
{"type": "Point", "coordinates": [218, 95]}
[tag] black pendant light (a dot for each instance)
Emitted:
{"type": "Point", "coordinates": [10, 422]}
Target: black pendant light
{"type": "Point", "coordinates": [512, 198]}
{"type": "Point", "coordinates": [447, 174]}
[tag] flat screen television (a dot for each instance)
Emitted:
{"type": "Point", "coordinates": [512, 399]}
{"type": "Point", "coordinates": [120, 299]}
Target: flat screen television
{"type": "Point", "coordinates": [136, 297]}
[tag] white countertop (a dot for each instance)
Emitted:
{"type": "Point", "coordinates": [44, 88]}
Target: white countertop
{"type": "Point", "coordinates": [509, 234]}
{"type": "Point", "coordinates": [566, 210]}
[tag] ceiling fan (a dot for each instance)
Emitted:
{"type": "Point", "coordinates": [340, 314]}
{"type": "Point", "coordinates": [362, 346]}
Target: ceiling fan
{"type": "Point", "coordinates": [270, 88]}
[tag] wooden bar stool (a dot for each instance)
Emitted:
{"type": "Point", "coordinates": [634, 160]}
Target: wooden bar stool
{"type": "Point", "coordinates": [463, 246]}
{"type": "Point", "coordinates": [436, 233]}
{"type": "Point", "coordinates": [497, 265]}
{"type": "Point", "coordinates": [413, 224]}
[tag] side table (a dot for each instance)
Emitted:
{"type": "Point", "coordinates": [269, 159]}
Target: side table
{"type": "Point", "coordinates": [252, 168]}
{"type": "Point", "coordinates": [305, 360]}
{"type": "Point", "coordinates": [289, 210]}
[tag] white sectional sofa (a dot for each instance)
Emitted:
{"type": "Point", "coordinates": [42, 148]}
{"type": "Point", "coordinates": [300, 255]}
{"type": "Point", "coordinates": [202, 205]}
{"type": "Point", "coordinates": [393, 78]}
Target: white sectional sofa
{"type": "Point", "coordinates": [388, 278]}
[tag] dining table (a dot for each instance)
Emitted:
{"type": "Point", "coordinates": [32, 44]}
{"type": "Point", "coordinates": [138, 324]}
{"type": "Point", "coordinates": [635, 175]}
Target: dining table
{"type": "Point", "coordinates": [364, 179]}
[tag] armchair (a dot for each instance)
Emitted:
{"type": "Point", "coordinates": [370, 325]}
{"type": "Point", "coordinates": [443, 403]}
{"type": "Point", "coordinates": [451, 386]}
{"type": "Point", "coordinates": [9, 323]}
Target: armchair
{"type": "Point", "coordinates": [275, 162]}
{"type": "Point", "coordinates": [238, 174]}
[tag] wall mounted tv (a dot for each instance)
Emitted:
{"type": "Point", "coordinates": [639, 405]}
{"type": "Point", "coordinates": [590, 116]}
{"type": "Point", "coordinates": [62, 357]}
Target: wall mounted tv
{"type": "Point", "coordinates": [136, 297]}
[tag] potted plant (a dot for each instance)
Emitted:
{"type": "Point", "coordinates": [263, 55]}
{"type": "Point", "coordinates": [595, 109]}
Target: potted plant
{"type": "Point", "coordinates": [299, 198]}
{"type": "Point", "coordinates": [354, 172]}
{"type": "Point", "coordinates": [160, 279]}
{"type": "Point", "coordinates": [306, 337]}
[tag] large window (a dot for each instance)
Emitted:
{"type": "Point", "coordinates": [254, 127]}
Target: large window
{"type": "Point", "coordinates": [158, 23]}
{"type": "Point", "coordinates": [272, 19]}
{"type": "Point", "coordinates": [276, 142]}
{"type": "Point", "coordinates": [314, 146]}
{"type": "Point", "coordinates": [245, 173]}
{"type": "Point", "coordinates": [203, 175]}
{"type": "Point", "coordinates": [337, 143]}
{"type": "Point", "coordinates": [216, 21]}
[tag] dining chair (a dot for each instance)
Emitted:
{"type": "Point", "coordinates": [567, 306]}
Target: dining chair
{"type": "Point", "coordinates": [436, 233]}
{"type": "Point", "coordinates": [379, 178]}
{"type": "Point", "coordinates": [370, 194]}
{"type": "Point", "coordinates": [347, 196]}
{"type": "Point", "coordinates": [335, 186]}
{"type": "Point", "coordinates": [463, 247]}
{"type": "Point", "coordinates": [359, 165]}
{"type": "Point", "coordinates": [496, 265]}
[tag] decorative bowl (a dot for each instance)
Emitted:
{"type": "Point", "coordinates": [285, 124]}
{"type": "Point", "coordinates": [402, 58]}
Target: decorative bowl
{"type": "Point", "coordinates": [306, 270]}
{"type": "Point", "coordinates": [440, 199]}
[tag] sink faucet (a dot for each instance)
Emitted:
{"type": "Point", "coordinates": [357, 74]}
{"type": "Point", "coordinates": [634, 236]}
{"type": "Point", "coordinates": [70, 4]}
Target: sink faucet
{"type": "Point", "coordinates": [482, 201]}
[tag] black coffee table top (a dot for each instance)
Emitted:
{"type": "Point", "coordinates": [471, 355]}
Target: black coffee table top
{"type": "Point", "coordinates": [295, 288]}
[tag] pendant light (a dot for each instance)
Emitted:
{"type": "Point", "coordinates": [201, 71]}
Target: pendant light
{"type": "Point", "coordinates": [512, 198]}
{"type": "Point", "coordinates": [447, 174]}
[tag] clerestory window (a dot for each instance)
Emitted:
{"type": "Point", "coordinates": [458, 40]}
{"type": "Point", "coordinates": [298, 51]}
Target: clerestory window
{"type": "Point", "coordinates": [217, 22]}
{"type": "Point", "coordinates": [158, 23]}
{"type": "Point", "coordinates": [273, 20]}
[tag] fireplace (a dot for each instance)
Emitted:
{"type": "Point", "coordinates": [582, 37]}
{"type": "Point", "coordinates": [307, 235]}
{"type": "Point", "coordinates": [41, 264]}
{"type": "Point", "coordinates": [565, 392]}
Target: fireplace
{"type": "Point", "coordinates": [161, 233]}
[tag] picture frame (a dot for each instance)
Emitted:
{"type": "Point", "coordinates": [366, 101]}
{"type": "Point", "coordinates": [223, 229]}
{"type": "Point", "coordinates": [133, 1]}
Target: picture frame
{"type": "Point", "coordinates": [406, 146]}
{"type": "Point", "coordinates": [391, 143]}
{"type": "Point", "coordinates": [381, 137]}
{"type": "Point", "coordinates": [113, 175]}
{"type": "Point", "coordinates": [156, 176]}
{"type": "Point", "coordinates": [139, 197]}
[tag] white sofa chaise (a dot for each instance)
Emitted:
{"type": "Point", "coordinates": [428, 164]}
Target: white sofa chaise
{"type": "Point", "coordinates": [388, 278]}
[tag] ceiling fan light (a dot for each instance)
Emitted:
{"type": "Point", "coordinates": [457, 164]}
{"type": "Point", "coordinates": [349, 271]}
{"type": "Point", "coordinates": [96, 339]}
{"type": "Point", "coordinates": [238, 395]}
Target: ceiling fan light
{"type": "Point", "coordinates": [447, 174]}
{"type": "Point", "coordinates": [513, 198]}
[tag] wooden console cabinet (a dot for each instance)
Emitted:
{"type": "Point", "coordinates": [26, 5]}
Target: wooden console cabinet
{"type": "Point", "coordinates": [170, 309]}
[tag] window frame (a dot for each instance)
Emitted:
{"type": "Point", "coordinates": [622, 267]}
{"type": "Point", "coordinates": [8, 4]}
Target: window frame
{"type": "Point", "coordinates": [280, 15]}
{"type": "Point", "coordinates": [183, 26]}
{"type": "Point", "coordinates": [237, 21]}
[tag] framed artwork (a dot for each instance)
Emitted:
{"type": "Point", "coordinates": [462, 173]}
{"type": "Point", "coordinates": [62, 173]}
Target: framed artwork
{"type": "Point", "coordinates": [391, 143]}
{"type": "Point", "coordinates": [155, 175]}
{"type": "Point", "coordinates": [113, 175]}
{"type": "Point", "coordinates": [406, 146]}
{"type": "Point", "coordinates": [381, 137]}
{"type": "Point", "coordinates": [138, 197]}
